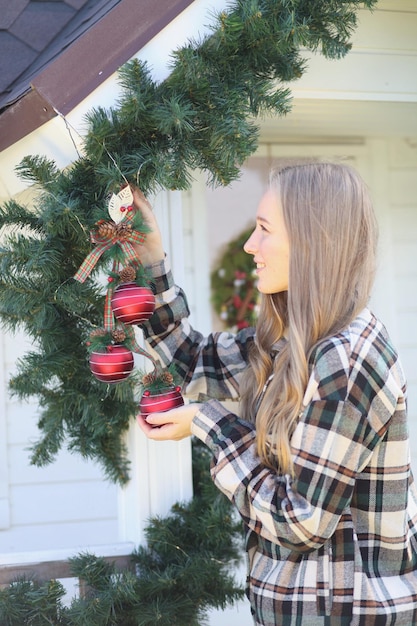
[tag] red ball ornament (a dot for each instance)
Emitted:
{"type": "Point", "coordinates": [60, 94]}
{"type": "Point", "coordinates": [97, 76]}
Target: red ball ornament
{"type": "Point", "coordinates": [113, 365]}
{"type": "Point", "coordinates": [160, 401]}
{"type": "Point", "coordinates": [132, 304]}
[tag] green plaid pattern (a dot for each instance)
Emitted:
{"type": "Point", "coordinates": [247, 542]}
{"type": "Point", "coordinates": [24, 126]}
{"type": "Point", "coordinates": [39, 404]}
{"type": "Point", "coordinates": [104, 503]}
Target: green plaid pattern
{"type": "Point", "coordinates": [338, 545]}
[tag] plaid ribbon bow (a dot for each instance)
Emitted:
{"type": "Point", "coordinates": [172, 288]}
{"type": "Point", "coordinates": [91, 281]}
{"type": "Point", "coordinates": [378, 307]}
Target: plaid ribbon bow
{"type": "Point", "coordinates": [123, 235]}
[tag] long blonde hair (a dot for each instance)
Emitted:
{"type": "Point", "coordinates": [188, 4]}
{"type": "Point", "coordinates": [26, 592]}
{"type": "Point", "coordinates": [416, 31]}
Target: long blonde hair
{"type": "Point", "coordinates": [333, 237]}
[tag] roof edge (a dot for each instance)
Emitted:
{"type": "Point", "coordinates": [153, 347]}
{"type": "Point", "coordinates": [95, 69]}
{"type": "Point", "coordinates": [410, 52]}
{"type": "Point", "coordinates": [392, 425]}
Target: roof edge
{"type": "Point", "coordinates": [100, 52]}
{"type": "Point", "coordinates": [23, 117]}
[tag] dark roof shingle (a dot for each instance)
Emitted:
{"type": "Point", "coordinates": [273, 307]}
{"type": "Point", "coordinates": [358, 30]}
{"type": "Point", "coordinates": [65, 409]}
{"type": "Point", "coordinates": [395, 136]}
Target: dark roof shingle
{"type": "Point", "coordinates": [49, 18]}
{"type": "Point", "coordinates": [33, 33]}
{"type": "Point", "coordinates": [15, 58]}
{"type": "Point", "coordinates": [10, 11]}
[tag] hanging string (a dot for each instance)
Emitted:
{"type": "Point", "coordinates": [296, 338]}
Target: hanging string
{"type": "Point", "coordinates": [70, 129]}
{"type": "Point", "coordinates": [102, 144]}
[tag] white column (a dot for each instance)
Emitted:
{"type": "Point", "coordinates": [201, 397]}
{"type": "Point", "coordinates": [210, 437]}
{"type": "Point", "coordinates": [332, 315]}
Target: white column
{"type": "Point", "coordinates": [4, 470]}
{"type": "Point", "coordinates": [383, 300]}
{"type": "Point", "coordinates": [161, 472]}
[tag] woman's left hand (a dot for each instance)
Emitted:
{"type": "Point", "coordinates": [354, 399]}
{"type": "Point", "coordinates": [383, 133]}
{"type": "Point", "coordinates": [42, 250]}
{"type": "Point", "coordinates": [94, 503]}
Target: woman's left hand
{"type": "Point", "coordinates": [169, 425]}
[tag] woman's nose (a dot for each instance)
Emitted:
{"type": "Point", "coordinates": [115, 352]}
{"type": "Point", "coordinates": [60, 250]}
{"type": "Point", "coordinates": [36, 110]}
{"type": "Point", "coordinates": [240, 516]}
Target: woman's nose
{"type": "Point", "coordinates": [249, 245]}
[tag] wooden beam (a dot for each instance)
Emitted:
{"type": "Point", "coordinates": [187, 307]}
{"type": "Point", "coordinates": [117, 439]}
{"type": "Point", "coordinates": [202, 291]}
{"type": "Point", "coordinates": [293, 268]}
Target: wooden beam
{"type": "Point", "coordinates": [50, 570]}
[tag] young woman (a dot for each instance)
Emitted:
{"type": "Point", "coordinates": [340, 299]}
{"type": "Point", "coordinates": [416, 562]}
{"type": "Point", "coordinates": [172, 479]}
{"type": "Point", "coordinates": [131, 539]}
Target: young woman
{"type": "Point", "coordinates": [317, 460]}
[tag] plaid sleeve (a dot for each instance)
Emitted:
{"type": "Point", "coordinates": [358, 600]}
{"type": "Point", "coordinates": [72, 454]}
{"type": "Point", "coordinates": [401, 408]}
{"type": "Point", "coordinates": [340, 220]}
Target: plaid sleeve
{"type": "Point", "coordinates": [340, 428]}
{"type": "Point", "coordinates": [208, 367]}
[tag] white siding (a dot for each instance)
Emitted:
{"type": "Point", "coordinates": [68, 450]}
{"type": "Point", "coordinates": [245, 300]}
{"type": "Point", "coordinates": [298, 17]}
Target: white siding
{"type": "Point", "coordinates": [63, 505]}
{"type": "Point", "coordinates": [403, 200]}
{"type": "Point", "coordinates": [382, 64]}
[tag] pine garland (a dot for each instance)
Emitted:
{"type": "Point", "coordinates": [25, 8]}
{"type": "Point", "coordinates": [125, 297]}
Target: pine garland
{"type": "Point", "coordinates": [200, 117]}
{"type": "Point", "coordinates": [184, 570]}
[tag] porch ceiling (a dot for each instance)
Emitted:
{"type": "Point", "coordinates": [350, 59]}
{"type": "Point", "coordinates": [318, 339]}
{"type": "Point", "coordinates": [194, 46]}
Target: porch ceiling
{"type": "Point", "coordinates": [335, 120]}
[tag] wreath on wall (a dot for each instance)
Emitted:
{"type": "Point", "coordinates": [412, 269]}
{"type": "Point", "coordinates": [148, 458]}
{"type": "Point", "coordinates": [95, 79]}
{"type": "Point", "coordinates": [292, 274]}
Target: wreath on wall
{"type": "Point", "coordinates": [233, 285]}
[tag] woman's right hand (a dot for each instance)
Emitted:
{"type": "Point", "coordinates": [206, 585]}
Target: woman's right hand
{"type": "Point", "coordinates": [152, 249]}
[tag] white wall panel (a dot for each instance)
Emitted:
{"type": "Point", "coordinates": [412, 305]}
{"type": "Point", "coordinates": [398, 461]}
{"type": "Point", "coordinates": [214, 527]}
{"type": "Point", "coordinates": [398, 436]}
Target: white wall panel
{"type": "Point", "coordinates": [403, 202]}
{"type": "Point", "coordinates": [74, 535]}
{"type": "Point", "coordinates": [382, 64]}
{"type": "Point", "coordinates": [403, 185]}
{"type": "Point", "coordinates": [67, 468]}
{"type": "Point", "coordinates": [62, 502]}
{"type": "Point", "coordinates": [360, 76]}
{"type": "Point", "coordinates": [388, 30]}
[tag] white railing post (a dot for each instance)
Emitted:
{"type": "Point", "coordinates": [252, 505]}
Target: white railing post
{"type": "Point", "coordinates": [160, 472]}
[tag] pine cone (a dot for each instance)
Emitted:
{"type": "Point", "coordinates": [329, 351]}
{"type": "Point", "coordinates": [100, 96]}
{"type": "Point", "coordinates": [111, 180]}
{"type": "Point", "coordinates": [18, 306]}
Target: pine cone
{"type": "Point", "coordinates": [148, 379]}
{"type": "Point", "coordinates": [123, 231]}
{"type": "Point", "coordinates": [98, 332]}
{"type": "Point", "coordinates": [127, 274]}
{"type": "Point", "coordinates": [167, 378]}
{"type": "Point", "coordinates": [119, 335]}
{"type": "Point", "coordinates": [105, 230]}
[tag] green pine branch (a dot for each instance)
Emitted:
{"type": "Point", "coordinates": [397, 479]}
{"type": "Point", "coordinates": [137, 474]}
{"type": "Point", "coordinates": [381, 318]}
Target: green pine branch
{"type": "Point", "coordinates": [182, 571]}
{"type": "Point", "coordinates": [203, 116]}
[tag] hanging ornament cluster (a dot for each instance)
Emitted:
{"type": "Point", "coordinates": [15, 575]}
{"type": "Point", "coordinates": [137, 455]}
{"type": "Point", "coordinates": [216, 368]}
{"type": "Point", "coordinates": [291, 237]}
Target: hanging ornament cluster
{"type": "Point", "coordinates": [129, 301]}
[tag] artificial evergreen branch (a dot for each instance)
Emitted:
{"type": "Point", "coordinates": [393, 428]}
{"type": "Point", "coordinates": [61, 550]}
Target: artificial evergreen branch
{"type": "Point", "coordinates": [183, 570]}
{"type": "Point", "coordinates": [201, 117]}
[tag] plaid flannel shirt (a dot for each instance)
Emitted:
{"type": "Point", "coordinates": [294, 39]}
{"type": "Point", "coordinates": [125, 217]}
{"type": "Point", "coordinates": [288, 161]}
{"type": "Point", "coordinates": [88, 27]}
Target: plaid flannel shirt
{"type": "Point", "coordinates": [337, 545]}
